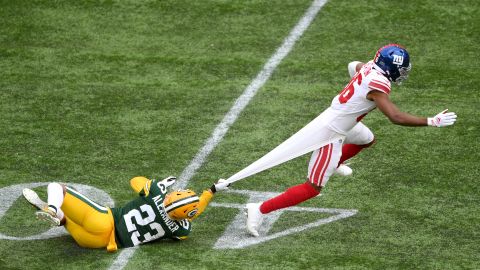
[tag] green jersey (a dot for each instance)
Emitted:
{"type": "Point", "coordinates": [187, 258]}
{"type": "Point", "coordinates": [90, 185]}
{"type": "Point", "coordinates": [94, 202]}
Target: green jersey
{"type": "Point", "coordinates": [144, 219]}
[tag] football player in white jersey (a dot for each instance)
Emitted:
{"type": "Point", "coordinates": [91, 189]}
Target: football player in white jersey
{"type": "Point", "coordinates": [369, 88]}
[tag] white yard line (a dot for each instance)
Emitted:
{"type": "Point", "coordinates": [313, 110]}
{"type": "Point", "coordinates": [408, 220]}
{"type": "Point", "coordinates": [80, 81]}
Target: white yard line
{"type": "Point", "coordinates": [249, 93]}
{"type": "Point", "coordinates": [123, 258]}
{"type": "Point", "coordinates": [240, 104]}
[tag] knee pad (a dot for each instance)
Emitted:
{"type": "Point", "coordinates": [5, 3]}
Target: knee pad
{"type": "Point", "coordinates": [360, 135]}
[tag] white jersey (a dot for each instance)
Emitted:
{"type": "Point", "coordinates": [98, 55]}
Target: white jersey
{"type": "Point", "coordinates": [351, 105]}
{"type": "Point", "coordinates": [328, 130]}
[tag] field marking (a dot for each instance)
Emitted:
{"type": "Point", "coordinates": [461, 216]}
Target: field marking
{"type": "Point", "coordinates": [9, 194]}
{"type": "Point", "coordinates": [235, 235]}
{"type": "Point", "coordinates": [123, 258]}
{"type": "Point", "coordinates": [240, 104]}
{"type": "Point", "coordinates": [249, 93]}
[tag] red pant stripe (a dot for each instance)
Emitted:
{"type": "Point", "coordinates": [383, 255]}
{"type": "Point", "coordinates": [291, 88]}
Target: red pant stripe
{"type": "Point", "coordinates": [314, 168]}
{"type": "Point", "coordinates": [312, 172]}
{"type": "Point", "coordinates": [330, 149]}
{"type": "Point", "coordinates": [322, 165]}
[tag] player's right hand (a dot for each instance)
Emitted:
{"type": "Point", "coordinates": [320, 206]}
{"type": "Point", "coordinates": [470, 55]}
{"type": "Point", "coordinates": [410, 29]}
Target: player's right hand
{"type": "Point", "coordinates": [442, 119]}
{"type": "Point", "coordinates": [221, 185]}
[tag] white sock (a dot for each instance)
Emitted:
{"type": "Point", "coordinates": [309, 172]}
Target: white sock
{"type": "Point", "coordinates": [55, 198]}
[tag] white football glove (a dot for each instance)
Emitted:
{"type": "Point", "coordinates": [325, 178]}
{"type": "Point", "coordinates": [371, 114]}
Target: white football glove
{"type": "Point", "coordinates": [221, 185]}
{"type": "Point", "coordinates": [169, 181]}
{"type": "Point", "coordinates": [442, 119]}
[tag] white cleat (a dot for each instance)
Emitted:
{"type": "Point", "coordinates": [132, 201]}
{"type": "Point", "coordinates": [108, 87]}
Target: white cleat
{"type": "Point", "coordinates": [343, 170]}
{"type": "Point", "coordinates": [254, 218]}
{"type": "Point", "coordinates": [49, 216]}
{"type": "Point", "coordinates": [32, 197]}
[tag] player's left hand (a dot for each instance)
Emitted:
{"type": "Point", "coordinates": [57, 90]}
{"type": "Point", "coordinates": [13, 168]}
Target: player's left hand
{"type": "Point", "coordinates": [221, 185]}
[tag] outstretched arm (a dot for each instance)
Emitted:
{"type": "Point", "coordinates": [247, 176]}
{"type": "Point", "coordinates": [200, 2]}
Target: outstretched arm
{"type": "Point", "coordinates": [207, 195]}
{"type": "Point", "coordinates": [393, 113]}
{"type": "Point", "coordinates": [398, 117]}
{"type": "Point", "coordinates": [205, 198]}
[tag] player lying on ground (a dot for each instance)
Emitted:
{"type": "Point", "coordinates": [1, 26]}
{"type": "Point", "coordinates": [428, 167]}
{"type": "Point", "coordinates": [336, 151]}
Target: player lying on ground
{"type": "Point", "coordinates": [368, 89]}
{"type": "Point", "coordinates": [155, 214]}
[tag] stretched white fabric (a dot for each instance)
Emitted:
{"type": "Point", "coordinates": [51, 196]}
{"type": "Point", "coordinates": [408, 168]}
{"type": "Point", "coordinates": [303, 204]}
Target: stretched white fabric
{"type": "Point", "coordinates": [314, 135]}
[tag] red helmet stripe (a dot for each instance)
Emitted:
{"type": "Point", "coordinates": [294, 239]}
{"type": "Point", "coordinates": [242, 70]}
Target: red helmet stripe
{"type": "Point", "coordinates": [388, 45]}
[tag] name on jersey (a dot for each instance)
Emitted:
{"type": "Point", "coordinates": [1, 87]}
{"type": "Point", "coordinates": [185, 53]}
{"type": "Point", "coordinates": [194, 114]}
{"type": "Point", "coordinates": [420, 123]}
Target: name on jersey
{"type": "Point", "coordinates": [158, 200]}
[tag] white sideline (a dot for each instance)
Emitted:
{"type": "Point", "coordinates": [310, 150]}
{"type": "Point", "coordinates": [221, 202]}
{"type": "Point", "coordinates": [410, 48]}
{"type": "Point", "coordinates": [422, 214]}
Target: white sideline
{"type": "Point", "coordinates": [240, 104]}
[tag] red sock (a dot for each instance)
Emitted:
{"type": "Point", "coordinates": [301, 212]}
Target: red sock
{"type": "Point", "coordinates": [290, 197]}
{"type": "Point", "coordinates": [350, 150]}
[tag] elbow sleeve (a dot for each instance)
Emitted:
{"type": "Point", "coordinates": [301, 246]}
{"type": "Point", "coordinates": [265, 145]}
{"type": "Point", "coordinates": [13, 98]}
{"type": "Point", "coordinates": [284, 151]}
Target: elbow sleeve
{"type": "Point", "coordinates": [352, 68]}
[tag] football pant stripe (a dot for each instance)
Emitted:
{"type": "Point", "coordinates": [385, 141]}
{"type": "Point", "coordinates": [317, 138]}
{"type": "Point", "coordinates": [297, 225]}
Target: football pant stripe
{"type": "Point", "coordinates": [86, 200]}
{"type": "Point", "coordinates": [327, 164]}
{"type": "Point", "coordinates": [321, 165]}
{"type": "Point", "coordinates": [314, 168]}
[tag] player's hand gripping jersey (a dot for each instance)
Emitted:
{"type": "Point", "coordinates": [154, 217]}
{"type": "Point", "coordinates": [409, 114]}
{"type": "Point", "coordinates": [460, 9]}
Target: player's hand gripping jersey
{"type": "Point", "coordinates": [351, 105]}
{"type": "Point", "coordinates": [145, 219]}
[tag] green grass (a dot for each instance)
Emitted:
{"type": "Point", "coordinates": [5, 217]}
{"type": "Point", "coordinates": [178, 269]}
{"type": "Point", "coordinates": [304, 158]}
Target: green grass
{"type": "Point", "coordinates": [96, 92]}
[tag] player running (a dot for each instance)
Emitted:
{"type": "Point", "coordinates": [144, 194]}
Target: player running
{"type": "Point", "coordinates": [369, 88]}
{"type": "Point", "coordinates": [154, 215]}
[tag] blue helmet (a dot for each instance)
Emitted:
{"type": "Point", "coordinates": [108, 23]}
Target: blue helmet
{"type": "Point", "coordinates": [394, 61]}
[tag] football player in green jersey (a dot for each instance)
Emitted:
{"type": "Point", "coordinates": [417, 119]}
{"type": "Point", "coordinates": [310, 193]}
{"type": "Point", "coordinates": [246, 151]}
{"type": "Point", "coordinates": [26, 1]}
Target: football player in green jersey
{"type": "Point", "coordinates": [154, 214]}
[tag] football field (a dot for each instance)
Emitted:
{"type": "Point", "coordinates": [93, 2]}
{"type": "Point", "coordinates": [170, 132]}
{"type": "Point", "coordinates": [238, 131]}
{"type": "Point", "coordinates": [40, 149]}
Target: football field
{"type": "Point", "coordinates": [93, 93]}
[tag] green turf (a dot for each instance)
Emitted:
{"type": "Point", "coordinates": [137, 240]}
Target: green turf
{"type": "Point", "coordinates": [96, 92]}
